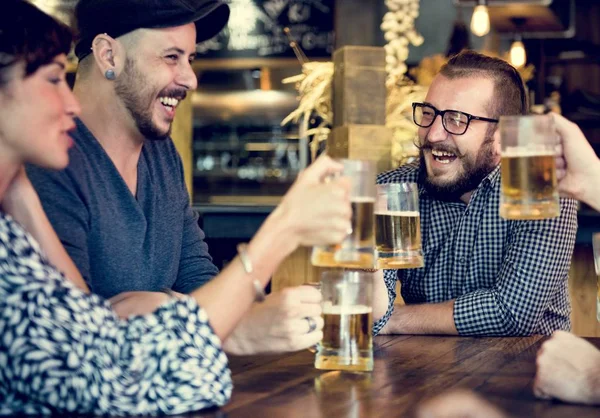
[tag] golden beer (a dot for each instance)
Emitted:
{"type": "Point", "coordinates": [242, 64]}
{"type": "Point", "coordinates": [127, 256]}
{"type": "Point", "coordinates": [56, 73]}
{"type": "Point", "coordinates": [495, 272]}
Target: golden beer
{"type": "Point", "coordinates": [529, 185]}
{"type": "Point", "coordinates": [347, 339]}
{"type": "Point", "coordinates": [357, 250]}
{"type": "Point", "coordinates": [398, 240]}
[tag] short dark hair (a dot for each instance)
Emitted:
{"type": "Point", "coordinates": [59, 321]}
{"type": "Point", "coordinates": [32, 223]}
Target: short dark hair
{"type": "Point", "coordinates": [510, 97]}
{"type": "Point", "coordinates": [27, 34]}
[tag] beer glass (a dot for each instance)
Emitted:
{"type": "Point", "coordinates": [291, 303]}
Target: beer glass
{"type": "Point", "coordinates": [398, 226]}
{"type": "Point", "coordinates": [348, 315]}
{"type": "Point", "coordinates": [358, 248]}
{"type": "Point", "coordinates": [529, 146]}
{"type": "Point", "coordinates": [596, 246]}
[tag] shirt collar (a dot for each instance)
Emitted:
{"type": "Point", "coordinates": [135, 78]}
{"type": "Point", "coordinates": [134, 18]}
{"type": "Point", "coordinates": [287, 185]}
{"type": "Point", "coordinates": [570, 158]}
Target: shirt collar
{"type": "Point", "coordinates": [491, 179]}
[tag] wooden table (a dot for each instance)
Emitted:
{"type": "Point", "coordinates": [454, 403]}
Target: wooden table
{"type": "Point", "coordinates": [407, 370]}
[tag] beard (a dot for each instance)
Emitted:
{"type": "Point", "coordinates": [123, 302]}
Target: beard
{"type": "Point", "coordinates": [474, 170]}
{"type": "Point", "coordinates": [135, 92]}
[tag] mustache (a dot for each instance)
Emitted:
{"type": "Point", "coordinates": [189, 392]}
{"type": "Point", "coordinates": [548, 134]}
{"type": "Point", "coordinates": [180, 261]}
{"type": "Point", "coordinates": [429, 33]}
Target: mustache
{"type": "Point", "coordinates": [426, 145]}
{"type": "Point", "coordinates": [179, 94]}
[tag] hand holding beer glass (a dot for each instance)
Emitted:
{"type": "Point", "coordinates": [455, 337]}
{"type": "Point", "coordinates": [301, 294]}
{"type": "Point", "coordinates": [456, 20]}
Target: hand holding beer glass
{"type": "Point", "coordinates": [348, 319]}
{"type": "Point", "coordinates": [529, 186]}
{"type": "Point", "coordinates": [398, 226]}
{"type": "Point", "coordinates": [358, 248]}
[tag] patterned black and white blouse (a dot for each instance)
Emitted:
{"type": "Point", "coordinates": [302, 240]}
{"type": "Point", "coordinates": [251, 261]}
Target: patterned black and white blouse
{"type": "Point", "coordinates": [62, 350]}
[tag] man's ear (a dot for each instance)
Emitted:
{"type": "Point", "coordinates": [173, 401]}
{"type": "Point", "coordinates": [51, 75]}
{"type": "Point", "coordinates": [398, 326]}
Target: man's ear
{"type": "Point", "coordinates": [497, 145]}
{"type": "Point", "coordinates": [108, 55]}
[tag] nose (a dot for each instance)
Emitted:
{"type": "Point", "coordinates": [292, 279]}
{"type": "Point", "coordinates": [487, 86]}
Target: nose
{"type": "Point", "coordinates": [186, 76]}
{"type": "Point", "coordinates": [436, 132]}
{"type": "Point", "coordinates": [70, 102]}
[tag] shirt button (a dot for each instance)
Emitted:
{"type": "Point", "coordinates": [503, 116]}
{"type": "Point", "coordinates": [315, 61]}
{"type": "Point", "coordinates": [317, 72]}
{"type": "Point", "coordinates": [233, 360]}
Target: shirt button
{"type": "Point", "coordinates": [462, 260]}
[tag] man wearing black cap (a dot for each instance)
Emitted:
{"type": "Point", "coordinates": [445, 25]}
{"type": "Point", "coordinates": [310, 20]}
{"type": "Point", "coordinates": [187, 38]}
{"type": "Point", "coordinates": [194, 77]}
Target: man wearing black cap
{"type": "Point", "coordinates": [121, 207]}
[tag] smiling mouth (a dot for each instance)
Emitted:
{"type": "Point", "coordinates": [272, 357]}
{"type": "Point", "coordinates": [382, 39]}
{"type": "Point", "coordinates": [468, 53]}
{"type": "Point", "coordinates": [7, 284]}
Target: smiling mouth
{"type": "Point", "coordinates": [170, 103]}
{"type": "Point", "coordinates": [443, 157]}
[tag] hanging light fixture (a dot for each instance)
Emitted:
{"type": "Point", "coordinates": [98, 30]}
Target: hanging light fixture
{"type": "Point", "coordinates": [518, 55]}
{"type": "Point", "coordinates": [480, 22]}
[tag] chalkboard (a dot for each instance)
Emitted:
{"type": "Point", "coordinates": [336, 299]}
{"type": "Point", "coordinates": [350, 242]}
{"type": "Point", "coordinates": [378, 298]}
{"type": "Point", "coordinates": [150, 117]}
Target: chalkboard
{"type": "Point", "coordinates": [256, 30]}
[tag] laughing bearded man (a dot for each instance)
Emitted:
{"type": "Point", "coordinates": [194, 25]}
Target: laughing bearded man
{"type": "Point", "coordinates": [121, 208]}
{"type": "Point", "coordinates": [483, 275]}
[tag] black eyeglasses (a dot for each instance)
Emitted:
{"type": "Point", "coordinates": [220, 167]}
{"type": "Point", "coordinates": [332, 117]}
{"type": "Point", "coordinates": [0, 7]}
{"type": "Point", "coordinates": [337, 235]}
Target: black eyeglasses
{"type": "Point", "coordinates": [454, 122]}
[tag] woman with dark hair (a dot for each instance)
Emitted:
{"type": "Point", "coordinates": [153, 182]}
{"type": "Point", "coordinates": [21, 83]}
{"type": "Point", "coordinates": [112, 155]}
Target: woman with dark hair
{"type": "Point", "coordinates": [37, 114]}
{"type": "Point", "coordinates": [64, 350]}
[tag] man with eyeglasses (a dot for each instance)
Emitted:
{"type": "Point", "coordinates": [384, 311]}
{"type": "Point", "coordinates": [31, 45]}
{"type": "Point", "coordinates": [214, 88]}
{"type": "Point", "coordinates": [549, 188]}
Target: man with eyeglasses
{"type": "Point", "coordinates": [483, 275]}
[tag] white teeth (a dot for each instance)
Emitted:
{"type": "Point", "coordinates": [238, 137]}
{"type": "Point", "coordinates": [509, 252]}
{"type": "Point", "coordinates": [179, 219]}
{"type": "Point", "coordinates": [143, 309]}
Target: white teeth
{"type": "Point", "coordinates": [169, 101]}
{"type": "Point", "coordinates": [443, 157]}
{"type": "Point", "coordinates": [437, 153]}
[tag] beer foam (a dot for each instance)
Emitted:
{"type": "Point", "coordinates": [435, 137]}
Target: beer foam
{"type": "Point", "coordinates": [528, 151]}
{"type": "Point", "coordinates": [362, 199]}
{"type": "Point", "coordinates": [330, 309]}
{"type": "Point", "coordinates": [403, 213]}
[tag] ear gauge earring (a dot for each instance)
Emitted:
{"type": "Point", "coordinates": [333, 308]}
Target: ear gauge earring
{"type": "Point", "coordinates": [110, 74]}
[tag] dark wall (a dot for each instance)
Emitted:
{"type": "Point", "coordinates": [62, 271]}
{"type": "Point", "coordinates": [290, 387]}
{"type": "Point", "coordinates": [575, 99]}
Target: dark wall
{"type": "Point", "coordinates": [577, 79]}
{"type": "Point", "coordinates": [357, 23]}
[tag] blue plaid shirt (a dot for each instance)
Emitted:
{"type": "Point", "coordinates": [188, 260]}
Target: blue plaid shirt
{"type": "Point", "coordinates": [508, 277]}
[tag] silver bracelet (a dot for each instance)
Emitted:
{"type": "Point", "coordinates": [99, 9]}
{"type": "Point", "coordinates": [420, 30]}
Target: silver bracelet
{"type": "Point", "coordinates": [259, 291]}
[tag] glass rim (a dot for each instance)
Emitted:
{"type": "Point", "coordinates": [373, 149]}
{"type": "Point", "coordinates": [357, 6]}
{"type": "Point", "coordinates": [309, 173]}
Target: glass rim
{"type": "Point", "coordinates": [402, 187]}
{"type": "Point", "coordinates": [357, 164]}
{"type": "Point", "coordinates": [351, 274]}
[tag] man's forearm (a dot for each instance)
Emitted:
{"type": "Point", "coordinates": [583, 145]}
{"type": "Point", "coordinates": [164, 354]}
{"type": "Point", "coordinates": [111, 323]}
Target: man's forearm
{"type": "Point", "coordinates": [427, 318]}
{"type": "Point", "coordinates": [381, 296]}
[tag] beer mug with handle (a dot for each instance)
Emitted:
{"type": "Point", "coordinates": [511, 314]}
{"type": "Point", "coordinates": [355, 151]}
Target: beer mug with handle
{"type": "Point", "coordinates": [529, 186]}
{"type": "Point", "coordinates": [358, 248]}
{"type": "Point", "coordinates": [348, 320]}
{"type": "Point", "coordinates": [398, 226]}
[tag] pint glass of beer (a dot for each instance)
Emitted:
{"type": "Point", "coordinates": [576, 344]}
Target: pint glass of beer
{"type": "Point", "coordinates": [398, 226]}
{"type": "Point", "coordinates": [529, 145]}
{"type": "Point", "coordinates": [348, 315]}
{"type": "Point", "coordinates": [596, 246]}
{"type": "Point", "coordinates": [358, 248]}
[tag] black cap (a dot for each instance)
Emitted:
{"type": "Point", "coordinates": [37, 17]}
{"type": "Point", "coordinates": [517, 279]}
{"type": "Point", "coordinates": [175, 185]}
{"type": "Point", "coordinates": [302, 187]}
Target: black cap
{"type": "Point", "coordinates": [118, 17]}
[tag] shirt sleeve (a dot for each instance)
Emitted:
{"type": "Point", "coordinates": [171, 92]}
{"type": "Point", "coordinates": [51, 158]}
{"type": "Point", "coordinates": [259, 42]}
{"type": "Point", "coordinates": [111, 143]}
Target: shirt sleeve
{"type": "Point", "coordinates": [389, 277]}
{"type": "Point", "coordinates": [67, 211]}
{"type": "Point", "coordinates": [64, 351]}
{"type": "Point", "coordinates": [535, 268]}
{"type": "Point", "coordinates": [195, 265]}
